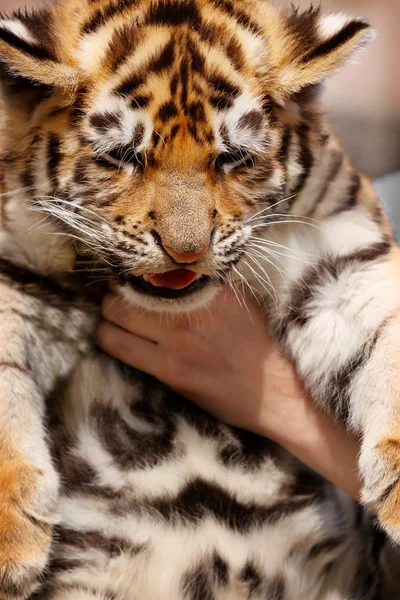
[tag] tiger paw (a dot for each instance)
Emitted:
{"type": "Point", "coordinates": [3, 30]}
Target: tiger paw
{"type": "Point", "coordinates": [28, 499]}
{"type": "Point", "coordinates": [381, 491]}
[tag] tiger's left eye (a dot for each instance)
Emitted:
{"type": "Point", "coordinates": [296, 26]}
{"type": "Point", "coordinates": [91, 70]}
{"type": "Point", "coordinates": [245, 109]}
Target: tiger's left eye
{"type": "Point", "coordinates": [122, 155]}
{"type": "Point", "coordinates": [226, 161]}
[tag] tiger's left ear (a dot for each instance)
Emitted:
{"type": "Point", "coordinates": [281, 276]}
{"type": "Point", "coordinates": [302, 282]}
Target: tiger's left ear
{"type": "Point", "coordinates": [32, 53]}
{"type": "Point", "coordinates": [307, 47]}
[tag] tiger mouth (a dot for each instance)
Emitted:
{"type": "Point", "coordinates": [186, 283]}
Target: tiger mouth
{"type": "Point", "coordinates": [170, 285]}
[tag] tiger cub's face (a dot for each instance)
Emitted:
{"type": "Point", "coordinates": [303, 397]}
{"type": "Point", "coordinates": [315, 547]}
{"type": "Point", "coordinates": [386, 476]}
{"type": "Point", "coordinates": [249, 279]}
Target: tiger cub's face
{"type": "Point", "coordinates": [177, 153]}
{"type": "Point", "coordinates": [171, 135]}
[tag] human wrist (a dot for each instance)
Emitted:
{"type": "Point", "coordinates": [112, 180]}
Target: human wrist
{"type": "Point", "coordinates": [324, 445]}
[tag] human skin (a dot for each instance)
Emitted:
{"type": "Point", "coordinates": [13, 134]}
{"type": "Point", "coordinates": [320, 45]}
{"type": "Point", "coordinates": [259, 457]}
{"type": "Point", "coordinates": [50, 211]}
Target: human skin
{"type": "Point", "coordinates": [223, 359]}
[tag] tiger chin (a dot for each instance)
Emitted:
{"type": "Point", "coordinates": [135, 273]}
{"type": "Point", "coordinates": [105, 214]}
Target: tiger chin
{"type": "Point", "coordinates": [181, 145]}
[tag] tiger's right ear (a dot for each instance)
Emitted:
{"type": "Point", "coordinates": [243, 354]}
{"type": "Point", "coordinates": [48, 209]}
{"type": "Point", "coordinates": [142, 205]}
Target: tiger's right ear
{"type": "Point", "coordinates": [31, 54]}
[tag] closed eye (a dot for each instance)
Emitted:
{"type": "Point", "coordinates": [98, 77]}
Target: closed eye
{"type": "Point", "coordinates": [226, 161]}
{"type": "Point", "coordinates": [124, 155]}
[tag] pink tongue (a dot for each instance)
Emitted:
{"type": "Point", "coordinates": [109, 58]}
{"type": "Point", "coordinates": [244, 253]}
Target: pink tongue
{"type": "Point", "coordinates": [176, 279]}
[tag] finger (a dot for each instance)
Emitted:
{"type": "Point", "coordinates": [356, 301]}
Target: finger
{"type": "Point", "coordinates": [135, 351]}
{"type": "Point", "coordinates": [115, 309]}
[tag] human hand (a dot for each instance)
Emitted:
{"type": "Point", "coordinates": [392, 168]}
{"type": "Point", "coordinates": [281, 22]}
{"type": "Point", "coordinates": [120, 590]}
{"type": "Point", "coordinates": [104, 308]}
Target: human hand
{"type": "Point", "coordinates": [221, 357]}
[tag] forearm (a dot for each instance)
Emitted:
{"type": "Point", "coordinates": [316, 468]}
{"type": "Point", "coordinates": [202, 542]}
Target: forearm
{"type": "Point", "coordinates": [322, 444]}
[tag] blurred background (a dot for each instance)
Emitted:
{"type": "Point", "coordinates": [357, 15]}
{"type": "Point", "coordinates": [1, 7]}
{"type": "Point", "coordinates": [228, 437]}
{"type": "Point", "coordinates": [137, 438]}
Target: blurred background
{"type": "Point", "coordinates": [363, 99]}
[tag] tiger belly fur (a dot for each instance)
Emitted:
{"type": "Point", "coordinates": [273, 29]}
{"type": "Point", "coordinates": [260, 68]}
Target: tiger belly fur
{"type": "Point", "coordinates": [194, 125]}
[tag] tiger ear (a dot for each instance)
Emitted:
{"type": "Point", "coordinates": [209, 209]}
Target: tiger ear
{"type": "Point", "coordinates": [31, 57]}
{"type": "Point", "coordinates": [311, 46]}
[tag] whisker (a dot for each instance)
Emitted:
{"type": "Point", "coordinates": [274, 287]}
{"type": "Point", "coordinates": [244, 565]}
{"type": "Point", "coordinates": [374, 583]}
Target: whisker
{"type": "Point", "coordinates": [265, 225]}
{"type": "Point", "coordinates": [267, 208]}
{"type": "Point", "coordinates": [264, 283]}
{"type": "Point", "coordinates": [243, 278]}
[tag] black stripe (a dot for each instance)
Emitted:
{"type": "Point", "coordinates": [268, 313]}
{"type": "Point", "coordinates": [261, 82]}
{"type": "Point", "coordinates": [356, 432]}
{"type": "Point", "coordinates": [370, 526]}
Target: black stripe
{"type": "Point", "coordinates": [131, 84]}
{"type": "Point", "coordinates": [41, 25]}
{"type": "Point", "coordinates": [350, 197]}
{"type": "Point", "coordinates": [13, 366]}
{"type": "Point", "coordinates": [306, 158]}
{"type": "Point", "coordinates": [128, 447]}
{"type": "Point", "coordinates": [36, 285]}
{"type": "Point", "coordinates": [304, 291]}
{"type": "Point", "coordinates": [53, 158]}
{"type": "Point", "coordinates": [337, 391]}
{"type": "Point", "coordinates": [196, 57]}
{"type": "Point", "coordinates": [198, 585]}
{"type": "Point", "coordinates": [241, 17]}
{"type": "Point", "coordinates": [112, 546]}
{"type": "Point", "coordinates": [172, 13]}
{"type": "Point", "coordinates": [260, 585]}
{"type": "Point", "coordinates": [220, 102]}
{"type": "Point", "coordinates": [336, 163]}
{"type": "Point", "coordinates": [101, 16]}
{"type": "Point", "coordinates": [284, 149]}
{"type": "Point", "coordinates": [252, 120]}
{"type": "Point", "coordinates": [167, 111]}
{"type": "Point", "coordinates": [223, 86]}
{"type": "Point", "coordinates": [123, 43]}
{"type": "Point", "coordinates": [18, 43]}
{"type": "Point", "coordinates": [196, 111]}
{"type": "Point", "coordinates": [56, 332]}
{"type": "Point", "coordinates": [343, 36]}
{"type": "Point", "coordinates": [104, 121]}
{"type": "Point", "coordinates": [326, 547]}
{"type": "Point", "coordinates": [184, 81]}
{"type": "Point", "coordinates": [201, 499]}
{"type": "Point", "coordinates": [220, 570]}
{"type": "Point", "coordinates": [141, 101]}
{"type": "Point", "coordinates": [72, 590]}
{"type": "Point", "coordinates": [105, 164]}
{"type": "Point", "coordinates": [163, 60]}
{"type": "Point", "coordinates": [302, 29]}
{"type": "Point", "coordinates": [27, 175]}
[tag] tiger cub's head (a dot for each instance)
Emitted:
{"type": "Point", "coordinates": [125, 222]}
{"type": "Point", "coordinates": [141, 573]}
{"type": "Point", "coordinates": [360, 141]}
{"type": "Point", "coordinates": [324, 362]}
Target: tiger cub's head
{"type": "Point", "coordinates": [155, 130]}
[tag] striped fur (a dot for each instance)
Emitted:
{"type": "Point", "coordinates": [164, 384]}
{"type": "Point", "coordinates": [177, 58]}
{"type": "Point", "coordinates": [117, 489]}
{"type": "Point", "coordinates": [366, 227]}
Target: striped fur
{"type": "Point", "coordinates": [129, 126]}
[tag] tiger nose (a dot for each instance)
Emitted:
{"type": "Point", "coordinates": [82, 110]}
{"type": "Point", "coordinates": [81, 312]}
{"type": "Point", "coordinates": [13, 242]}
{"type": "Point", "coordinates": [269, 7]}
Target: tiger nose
{"type": "Point", "coordinates": [185, 257]}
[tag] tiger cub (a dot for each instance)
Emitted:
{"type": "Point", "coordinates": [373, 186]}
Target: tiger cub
{"type": "Point", "coordinates": [144, 137]}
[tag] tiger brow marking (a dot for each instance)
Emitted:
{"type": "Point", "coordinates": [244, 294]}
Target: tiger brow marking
{"type": "Point", "coordinates": [164, 60]}
{"type": "Point", "coordinates": [251, 120]}
{"type": "Point", "coordinates": [103, 121]}
{"type": "Point", "coordinates": [131, 84]}
{"type": "Point", "coordinates": [123, 43]}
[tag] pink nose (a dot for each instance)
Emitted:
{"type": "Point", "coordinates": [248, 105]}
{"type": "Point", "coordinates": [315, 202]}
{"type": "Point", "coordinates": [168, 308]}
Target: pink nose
{"type": "Point", "coordinates": [185, 257]}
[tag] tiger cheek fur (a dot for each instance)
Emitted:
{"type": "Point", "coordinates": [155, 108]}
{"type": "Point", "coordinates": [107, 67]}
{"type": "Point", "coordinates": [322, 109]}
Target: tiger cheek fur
{"type": "Point", "coordinates": [142, 137]}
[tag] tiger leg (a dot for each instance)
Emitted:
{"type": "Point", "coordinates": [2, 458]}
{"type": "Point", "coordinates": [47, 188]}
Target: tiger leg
{"type": "Point", "coordinates": [378, 388]}
{"type": "Point", "coordinates": [32, 360]}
